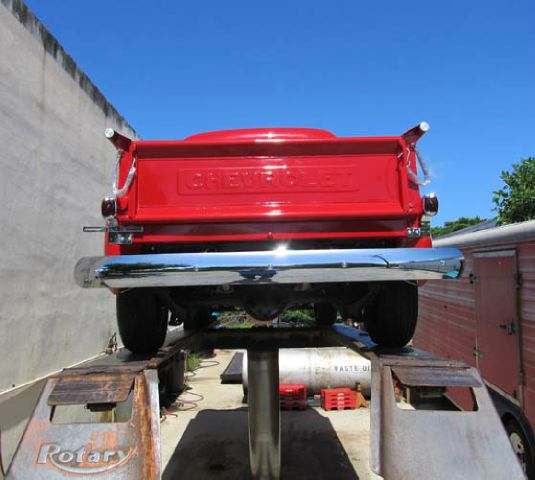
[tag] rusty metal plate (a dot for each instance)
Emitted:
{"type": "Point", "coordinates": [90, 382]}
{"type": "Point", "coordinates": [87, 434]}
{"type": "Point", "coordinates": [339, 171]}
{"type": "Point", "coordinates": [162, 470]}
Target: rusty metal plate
{"type": "Point", "coordinates": [93, 388]}
{"type": "Point", "coordinates": [122, 451]}
{"type": "Point", "coordinates": [436, 377]}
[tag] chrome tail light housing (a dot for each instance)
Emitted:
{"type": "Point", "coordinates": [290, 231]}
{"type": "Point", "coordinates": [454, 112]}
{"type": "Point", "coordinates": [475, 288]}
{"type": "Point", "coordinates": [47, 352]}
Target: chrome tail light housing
{"type": "Point", "coordinates": [430, 204]}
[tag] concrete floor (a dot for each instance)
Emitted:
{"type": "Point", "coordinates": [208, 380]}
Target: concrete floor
{"type": "Point", "coordinates": [210, 440]}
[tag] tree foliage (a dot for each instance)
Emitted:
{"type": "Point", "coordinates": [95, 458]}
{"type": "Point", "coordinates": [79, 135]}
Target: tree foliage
{"type": "Point", "coordinates": [300, 315]}
{"type": "Point", "coordinates": [453, 226]}
{"type": "Point", "coordinates": [515, 202]}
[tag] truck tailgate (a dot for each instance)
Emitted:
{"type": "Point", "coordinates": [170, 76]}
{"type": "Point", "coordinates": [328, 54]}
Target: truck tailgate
{"type": "Point", "coordinates": [211, 188]}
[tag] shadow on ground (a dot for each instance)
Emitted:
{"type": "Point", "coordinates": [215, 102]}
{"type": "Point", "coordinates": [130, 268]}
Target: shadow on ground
{"type": "Point", "coordinates": [215, 446]}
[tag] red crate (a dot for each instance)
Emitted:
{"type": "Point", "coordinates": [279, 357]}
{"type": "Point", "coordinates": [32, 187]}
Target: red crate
{"type": "Point", "coordinates": [293, 392]}
{"type": "Point", "coordinates": [293, 397]}
{"type": "Point", "coordinates": [338, 399]}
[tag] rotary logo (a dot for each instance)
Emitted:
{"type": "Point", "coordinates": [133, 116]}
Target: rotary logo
{"type": "Point", "coordinates": [82, 461]}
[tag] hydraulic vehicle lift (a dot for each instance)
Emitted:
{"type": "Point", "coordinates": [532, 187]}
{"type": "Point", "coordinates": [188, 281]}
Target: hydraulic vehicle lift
{"type": "Point", "coordinates": [434, 442]}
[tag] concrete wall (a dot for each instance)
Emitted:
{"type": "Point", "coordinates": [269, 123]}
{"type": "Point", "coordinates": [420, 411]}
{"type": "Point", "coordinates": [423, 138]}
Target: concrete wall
{"type": "Point", "coordinates": [55, 167]}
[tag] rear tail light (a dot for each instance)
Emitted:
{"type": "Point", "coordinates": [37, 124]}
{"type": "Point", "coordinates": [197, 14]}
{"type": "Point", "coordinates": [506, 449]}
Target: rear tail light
{"type": "Point", "coordinates": [430, 204]}
{"type": "Point", "coordinates": [109, 207]}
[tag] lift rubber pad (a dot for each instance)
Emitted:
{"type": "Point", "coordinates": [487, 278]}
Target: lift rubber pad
{"type": "Point", "coordinates": [233, 372]}
{"type": "Point", "coordinates": [436, 377]}
{"type": "Point", "coordinates": [91, 389]}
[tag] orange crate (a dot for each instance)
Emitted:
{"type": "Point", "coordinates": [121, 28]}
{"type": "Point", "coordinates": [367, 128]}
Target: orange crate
{"type": "Point", "coordinates": [338, 399]}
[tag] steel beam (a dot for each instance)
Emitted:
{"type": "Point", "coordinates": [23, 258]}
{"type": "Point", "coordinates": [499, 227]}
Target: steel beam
{"type": "Point", "coordinates": [264, 414]}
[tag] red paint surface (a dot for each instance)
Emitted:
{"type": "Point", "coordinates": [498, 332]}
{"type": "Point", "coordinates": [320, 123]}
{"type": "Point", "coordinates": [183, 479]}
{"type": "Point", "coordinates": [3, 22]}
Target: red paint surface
{"type": "Point", "coordinates": [258, 231]}
{"type": "Point", "coordinates": [308, 181]}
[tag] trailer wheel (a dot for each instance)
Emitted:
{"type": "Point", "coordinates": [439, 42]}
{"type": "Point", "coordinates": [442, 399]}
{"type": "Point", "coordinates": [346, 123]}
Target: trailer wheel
{"type": "Point", "coordinates": [142, 320]}
{"type": "Point", "coordinates": [392, 317]}
{"type": "Point", "coordinates": [520, 446]}
{"type": "Point", "coordinates": [325, 313]}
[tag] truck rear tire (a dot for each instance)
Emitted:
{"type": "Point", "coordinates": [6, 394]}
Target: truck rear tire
{"type": "Point", "coordinates": [142, 320]}
{"type": "Point", "coordinates": [392, 317]}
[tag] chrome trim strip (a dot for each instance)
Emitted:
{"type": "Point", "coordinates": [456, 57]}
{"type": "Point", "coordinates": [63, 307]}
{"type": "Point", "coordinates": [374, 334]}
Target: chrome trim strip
{"type": "Point", "coordinates": [267, 267]}
{"type": "Point", "coordinates": [114, 229]}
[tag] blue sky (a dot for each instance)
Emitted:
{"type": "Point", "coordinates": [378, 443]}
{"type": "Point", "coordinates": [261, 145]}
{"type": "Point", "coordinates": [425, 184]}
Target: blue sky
{"type": "Point", "coordinates": [356, 68]}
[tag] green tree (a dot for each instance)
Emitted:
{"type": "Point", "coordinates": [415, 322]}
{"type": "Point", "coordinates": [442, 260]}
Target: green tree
{"type": "Point", "coordinates": [453, 226]}
{"type": "Point", "coordinates": [515, 202]}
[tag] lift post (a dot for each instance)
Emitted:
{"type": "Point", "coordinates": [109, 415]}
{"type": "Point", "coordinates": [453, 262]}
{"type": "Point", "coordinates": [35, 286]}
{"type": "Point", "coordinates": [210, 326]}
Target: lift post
{"type": "Point", "coordinates": [416, 444]}
{"type": "Point", "coordinates": [264, 414]}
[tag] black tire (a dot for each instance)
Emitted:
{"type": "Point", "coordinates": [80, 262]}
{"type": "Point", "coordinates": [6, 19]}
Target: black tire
{"type": "Point", "coordinates": [325, 313]}
{"type": "Point", "coordinates": [391, 318]}
{"type": "Point", "coordinates": [142, 320]}
{"type": "Point", "coordinates": [521, 447]}
{"type": "Point", "coordinates": [197, 318]}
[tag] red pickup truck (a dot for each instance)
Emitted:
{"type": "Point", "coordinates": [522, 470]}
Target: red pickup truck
{"type": "Point", "coordinates": [266, 219]}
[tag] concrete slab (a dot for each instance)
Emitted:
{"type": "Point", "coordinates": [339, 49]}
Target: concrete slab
{"type": "Point", "coordinates": [209, 441]}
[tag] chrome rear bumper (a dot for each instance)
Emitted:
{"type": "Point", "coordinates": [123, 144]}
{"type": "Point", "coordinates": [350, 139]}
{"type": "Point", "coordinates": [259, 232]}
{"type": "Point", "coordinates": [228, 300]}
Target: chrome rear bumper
{"type": "Point", "coordinates": [268, 267]}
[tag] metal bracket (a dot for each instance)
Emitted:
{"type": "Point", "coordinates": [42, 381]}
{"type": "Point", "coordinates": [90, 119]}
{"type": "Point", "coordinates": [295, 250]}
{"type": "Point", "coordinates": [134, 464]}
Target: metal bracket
{"type": "Point", "coordinates": [121, 238]}
{"type": "Point", "coordinates": [425, 227]}
{"type": "Point", "coordinates": [431, 443]}
{"type": "Point", "coordinates": [510, 327]}
{"type": "Point", "coordinates": [115, 229]}
{"type": "Point", "coordinates": [119, 235]}
{"type": "Point", "coordinates": [420, 444]}
{"type": "Point", "coordinates": [476, 352]}
{"type": "Point", "coordinates": [414, 232]}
